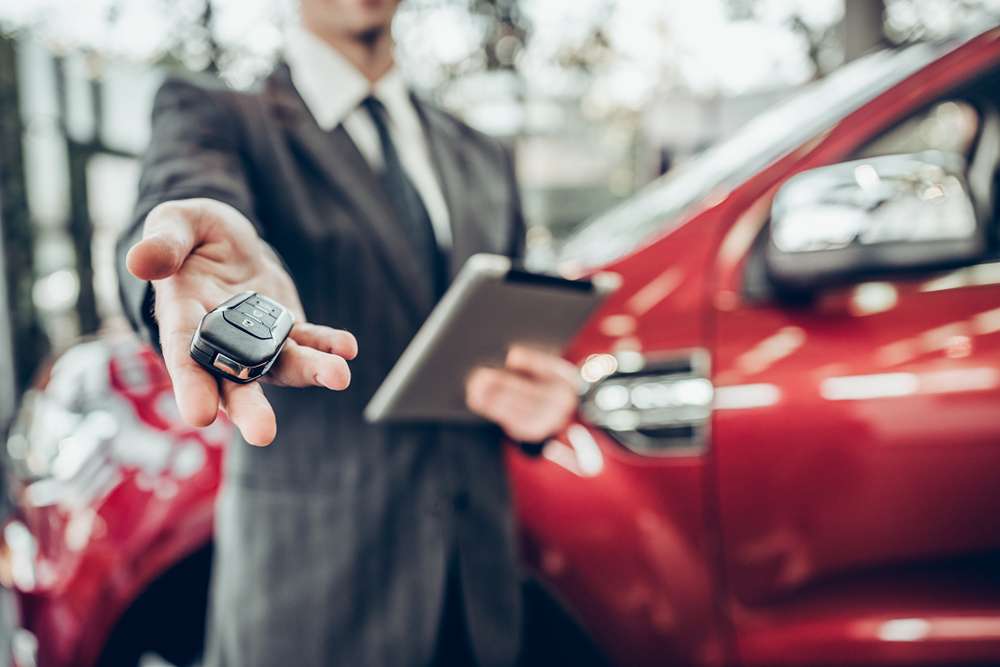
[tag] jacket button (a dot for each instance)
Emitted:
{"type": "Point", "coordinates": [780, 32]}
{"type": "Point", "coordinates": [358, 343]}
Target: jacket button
{"type": "Point", "coordinates": [461, 501]}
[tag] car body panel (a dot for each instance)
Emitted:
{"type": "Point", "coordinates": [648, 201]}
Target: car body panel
{"type": "Point", "coordinates": [142, 503]}
{"type": "Point", "coordinates": [888, 464]}
{"type": "Point", "coordinates": [585, 497]}
{"type": "Point", "coordinates": [785, 497]}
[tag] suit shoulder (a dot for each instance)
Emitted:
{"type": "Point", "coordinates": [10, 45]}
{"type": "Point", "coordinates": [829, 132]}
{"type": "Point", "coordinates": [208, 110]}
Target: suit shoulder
{"type": "Point", "coordinates": [192, 84]}
{"type": "Point", "coordinates": [188, 93]}
{"type": "Point", "coordinates": [201, 85]}
{"type": "Point", "coordinates": [204, 95]}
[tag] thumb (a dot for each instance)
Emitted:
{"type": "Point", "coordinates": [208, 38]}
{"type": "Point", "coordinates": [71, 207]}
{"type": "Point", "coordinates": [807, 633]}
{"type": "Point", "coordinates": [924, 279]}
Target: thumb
{"type": "Point", "coordinates": [168, 238]}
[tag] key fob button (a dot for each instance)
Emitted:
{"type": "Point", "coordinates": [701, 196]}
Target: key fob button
{"type": "Point", "coordinates": [253, 327]}
{"type": "Point", "coordinates": [257, 313]}
{"type": "Point", "coordinates": [266, 305]}
{"type": "Point", "coordinates": [251, 310]}
{"type": "Point", "coordinates": [261, 302]}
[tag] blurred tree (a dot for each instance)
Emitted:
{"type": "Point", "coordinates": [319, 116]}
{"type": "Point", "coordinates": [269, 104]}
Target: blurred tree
{"type": "Point", "coordinates": [79, 225]}
{"type": "Point", "coordinates": [915, 20]}
{"type": "Point", "coordinates": [506, 31]}
{"type": "Point", "coordinates": [211, 45]}
{"type": "Point", "coordinates": [28, 340]}
{"type": "Point", "coordinates": [863, 27]}
{"type": "Point", "coordinates": [821, 38]}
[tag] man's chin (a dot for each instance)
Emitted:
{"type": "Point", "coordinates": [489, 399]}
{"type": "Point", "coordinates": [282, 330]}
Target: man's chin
{"type": "Point", "coordinates": [370, 32]}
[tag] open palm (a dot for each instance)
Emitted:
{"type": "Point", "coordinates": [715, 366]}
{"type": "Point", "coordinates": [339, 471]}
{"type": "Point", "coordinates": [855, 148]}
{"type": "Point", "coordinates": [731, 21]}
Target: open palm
{"type": "Point", "coordinates": [198, 253]}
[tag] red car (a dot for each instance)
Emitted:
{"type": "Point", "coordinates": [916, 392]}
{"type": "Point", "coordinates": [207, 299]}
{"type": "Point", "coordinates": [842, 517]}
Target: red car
{"type": "Point", "coordinates": [789, 453]}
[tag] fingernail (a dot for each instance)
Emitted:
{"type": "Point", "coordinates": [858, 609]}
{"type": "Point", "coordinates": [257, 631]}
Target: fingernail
{"type": "Point", "coordinates": [256, 442]}
{"type": "Point", "coordinates": [331, 385]}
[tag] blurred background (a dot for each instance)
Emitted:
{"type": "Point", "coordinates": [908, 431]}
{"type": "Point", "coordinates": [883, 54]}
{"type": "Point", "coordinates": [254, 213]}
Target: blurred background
{"type": "Point", "coordinates": [599, 97]}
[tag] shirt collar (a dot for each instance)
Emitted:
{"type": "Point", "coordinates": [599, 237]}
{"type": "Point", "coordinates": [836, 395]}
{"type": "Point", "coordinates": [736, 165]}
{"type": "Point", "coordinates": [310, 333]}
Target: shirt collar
{"type": "Point", "coordinates": [332, 87]}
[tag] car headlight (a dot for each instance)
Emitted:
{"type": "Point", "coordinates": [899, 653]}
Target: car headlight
{"type": "Point", "coordinates": [54, 417]}
{"type": "Point", "coordinates": [105, 408]}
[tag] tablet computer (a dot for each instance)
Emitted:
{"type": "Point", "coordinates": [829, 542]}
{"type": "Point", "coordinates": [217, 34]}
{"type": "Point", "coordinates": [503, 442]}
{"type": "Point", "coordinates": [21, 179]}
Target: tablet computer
{"type": "Point", "coordinates": [490, 306]}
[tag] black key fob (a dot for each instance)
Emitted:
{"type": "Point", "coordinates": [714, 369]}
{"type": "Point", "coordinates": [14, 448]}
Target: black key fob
{"type": "Point", "coordinates": [240, 339]}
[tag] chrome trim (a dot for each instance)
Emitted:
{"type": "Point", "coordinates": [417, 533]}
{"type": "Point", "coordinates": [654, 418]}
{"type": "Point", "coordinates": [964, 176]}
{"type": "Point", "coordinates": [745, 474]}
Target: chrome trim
{"type": "Point", "coordinates": [22, 548]}
{"type": "Point", "coordinates": [230, 366]}
{"type": "Point", "coordinates": [24, 647]}
{"type": "Point", "coordinates": [680, 427]}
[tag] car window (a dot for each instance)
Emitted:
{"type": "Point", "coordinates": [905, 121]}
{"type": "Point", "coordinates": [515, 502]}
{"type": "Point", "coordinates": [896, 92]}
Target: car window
{"type": "Point", "coordinates": [663, 203]}
{"type": "Point", "coordinates": [949, 126]}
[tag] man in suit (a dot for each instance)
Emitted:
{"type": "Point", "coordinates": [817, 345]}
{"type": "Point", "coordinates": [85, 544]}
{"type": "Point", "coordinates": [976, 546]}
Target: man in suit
{"type": "Point", "coordinates": [332, 189]}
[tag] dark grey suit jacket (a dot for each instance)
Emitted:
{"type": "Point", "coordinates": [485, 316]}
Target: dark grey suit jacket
{"type": "Point", "coordinates": [332, 544]}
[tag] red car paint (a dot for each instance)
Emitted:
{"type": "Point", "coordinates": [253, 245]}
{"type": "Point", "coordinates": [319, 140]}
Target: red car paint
{"type": "Point", "coordinates": [811, 531]}
{"type": "Point", "coordinates": [144, 503]}
{"type": "Point", "coordinates": [815, 527]}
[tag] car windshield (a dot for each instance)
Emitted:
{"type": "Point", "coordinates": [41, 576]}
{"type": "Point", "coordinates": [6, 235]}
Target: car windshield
{"type": "Point", "coordinates": [662, 203]}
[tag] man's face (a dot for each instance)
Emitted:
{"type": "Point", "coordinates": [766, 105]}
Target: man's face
{"type": "Point", "coordinates": [349, 18]}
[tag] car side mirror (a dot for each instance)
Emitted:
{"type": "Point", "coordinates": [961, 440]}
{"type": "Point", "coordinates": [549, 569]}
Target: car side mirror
{"type": "Point", "coordinates": [860, 219]}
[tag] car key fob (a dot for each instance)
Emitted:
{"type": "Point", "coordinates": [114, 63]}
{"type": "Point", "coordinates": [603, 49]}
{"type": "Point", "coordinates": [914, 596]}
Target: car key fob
{"type": "Point", "coordinates": [241, 338]}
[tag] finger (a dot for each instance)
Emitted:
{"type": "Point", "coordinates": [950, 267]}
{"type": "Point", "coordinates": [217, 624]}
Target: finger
{"type": "Point", "coordinates": [542, 365]}
{"type": "Point", "coordinates": [174, 229]}
{"type": "Point", "coordinates": [250, 411]}
{"type": "Point", "coordinates": [326, 339]}
{"type": "Point", "coordinates": [195, 390]}
{"type": "Point", "coordinates": [551, 397]}
{"type": "Point", "coordinates": [528, 410]}
{"type": "Point", "coordinates": [168, 237]}
{"type": "Point", "coordinates": [487, 394]}
{"type": "Point", "coordinates": [489, 385]}
{"type": "Point", "coordinates": [302, 366]}
{"type": "Point", "coordinates": [517, 414]}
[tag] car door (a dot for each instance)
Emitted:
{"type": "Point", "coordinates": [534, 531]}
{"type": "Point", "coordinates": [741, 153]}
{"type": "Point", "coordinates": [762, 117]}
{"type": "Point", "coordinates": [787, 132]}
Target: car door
{"type": "Point", "coordinates": [856, 443]}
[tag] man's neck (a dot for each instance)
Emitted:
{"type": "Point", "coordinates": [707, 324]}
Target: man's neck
{"type": "Point", "coordinates": [371, 54]}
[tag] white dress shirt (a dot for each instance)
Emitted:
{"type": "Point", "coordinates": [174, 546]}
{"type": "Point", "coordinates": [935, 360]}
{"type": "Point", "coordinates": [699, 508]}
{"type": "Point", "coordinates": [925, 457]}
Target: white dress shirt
{"type": "Point", "coordinates": [333, 90]}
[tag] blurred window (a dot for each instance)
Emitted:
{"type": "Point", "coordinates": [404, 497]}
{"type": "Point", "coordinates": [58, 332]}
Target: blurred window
{"type": "Point", "coordinates": [949, 126]}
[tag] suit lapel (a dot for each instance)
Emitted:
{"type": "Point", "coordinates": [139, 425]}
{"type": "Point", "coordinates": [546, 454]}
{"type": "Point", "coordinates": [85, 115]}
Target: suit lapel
{"type": "Point", "coordinates": [335, 155]}
{"type": "Point", "coordinates": [451, 169]}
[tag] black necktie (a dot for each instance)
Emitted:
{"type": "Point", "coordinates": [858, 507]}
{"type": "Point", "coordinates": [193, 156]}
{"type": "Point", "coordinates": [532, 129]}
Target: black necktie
{"type": "Point", "coordinates": [406, 202]}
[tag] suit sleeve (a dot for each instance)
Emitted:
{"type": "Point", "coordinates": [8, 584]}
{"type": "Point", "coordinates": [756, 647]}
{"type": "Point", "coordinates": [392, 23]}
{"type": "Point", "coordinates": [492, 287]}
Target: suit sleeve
{"type": "Point", "coordinates": [194, 151]}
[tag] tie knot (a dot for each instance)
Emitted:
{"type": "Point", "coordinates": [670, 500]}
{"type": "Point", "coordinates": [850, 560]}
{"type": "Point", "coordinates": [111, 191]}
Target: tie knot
{"type": "Point", "coordinates": [374, 106]}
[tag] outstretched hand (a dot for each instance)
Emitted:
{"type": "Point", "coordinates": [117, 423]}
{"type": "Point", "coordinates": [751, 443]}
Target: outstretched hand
{"type": "Point", "coordinates": [198, 253]}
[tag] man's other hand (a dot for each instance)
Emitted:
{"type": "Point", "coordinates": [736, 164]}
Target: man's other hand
{"type": "Point", "coordinates": [198, 253]}
{"type": "Point", "coordinates": [532, 398]}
